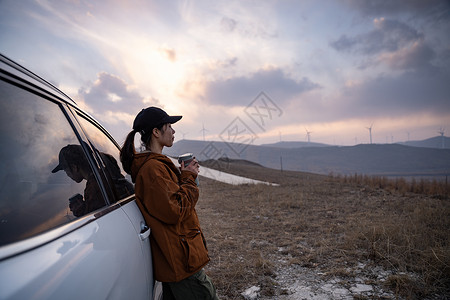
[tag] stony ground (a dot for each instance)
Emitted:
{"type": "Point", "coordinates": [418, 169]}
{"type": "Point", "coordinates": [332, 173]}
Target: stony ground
{"type": "Point", "coordinates": [314, 237]}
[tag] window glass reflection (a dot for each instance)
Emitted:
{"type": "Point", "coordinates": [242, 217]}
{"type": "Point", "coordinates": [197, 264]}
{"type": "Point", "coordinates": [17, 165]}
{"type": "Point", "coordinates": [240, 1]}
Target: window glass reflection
{"type": "Point", "coordinates": [72, 160]}
{"type": "Point", "coordinates": [109, 155]}
{"type": "Point", "coordinates": [32, 198]}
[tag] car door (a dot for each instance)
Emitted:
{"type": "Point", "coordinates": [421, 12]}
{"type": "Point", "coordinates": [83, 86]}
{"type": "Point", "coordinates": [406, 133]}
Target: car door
{"type": "Point", "coordinates": [113, 176]}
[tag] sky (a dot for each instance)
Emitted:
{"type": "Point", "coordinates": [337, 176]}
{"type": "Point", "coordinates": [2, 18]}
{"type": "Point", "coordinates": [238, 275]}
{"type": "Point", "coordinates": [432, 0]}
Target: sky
{"type": "Point", "coordinates": [245, 71]}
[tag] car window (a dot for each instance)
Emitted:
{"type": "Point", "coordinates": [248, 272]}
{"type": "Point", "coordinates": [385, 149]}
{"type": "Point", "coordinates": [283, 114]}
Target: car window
{"type": "Point", "coordinates": [41, 167]}
{"type": "Point", "coordinates": [109, 154]}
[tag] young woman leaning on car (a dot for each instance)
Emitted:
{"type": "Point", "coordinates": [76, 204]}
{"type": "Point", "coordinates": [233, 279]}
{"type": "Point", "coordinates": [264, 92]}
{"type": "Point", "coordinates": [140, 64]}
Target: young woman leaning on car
{"type": "Point", "coordinates": [167, 196]}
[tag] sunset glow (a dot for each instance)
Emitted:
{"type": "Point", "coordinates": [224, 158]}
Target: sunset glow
{"type": "Point", "coordinates": [333, 67]}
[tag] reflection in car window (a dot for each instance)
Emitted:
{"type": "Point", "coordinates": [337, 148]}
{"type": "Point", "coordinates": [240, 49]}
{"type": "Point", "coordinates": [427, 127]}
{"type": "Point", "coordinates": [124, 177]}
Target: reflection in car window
{"type": "Point", "coordinates": [73, 162]}
{"type": "Point", "coordinates": [109, 155]}
{"type": "Point", "coordinates": [32, 133]}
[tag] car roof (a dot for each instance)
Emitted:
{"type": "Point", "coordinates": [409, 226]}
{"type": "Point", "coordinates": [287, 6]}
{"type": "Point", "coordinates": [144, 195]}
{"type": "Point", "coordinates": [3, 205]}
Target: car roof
{"type": "Point", "coordinates": [22, 75]}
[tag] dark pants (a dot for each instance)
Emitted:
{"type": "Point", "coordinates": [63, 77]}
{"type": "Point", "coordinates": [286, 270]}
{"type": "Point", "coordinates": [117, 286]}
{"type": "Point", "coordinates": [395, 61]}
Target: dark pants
{"type": "Point", "coordinates": [195, 287]}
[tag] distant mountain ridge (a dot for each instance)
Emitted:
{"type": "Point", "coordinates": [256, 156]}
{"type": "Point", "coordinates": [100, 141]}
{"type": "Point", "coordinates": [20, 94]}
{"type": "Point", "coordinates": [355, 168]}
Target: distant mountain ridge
{"type": "Point", "coordinates": [371, 159]}
{"type": "Point", "coordinates": [439, 142]}
{"type": "Point", "coordinates": [288, 144]}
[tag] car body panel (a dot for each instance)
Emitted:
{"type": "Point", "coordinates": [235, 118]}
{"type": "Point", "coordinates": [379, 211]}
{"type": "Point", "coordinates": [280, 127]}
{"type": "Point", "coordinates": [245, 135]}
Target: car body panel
{"type": "Point", "coordinates": [88, 263]}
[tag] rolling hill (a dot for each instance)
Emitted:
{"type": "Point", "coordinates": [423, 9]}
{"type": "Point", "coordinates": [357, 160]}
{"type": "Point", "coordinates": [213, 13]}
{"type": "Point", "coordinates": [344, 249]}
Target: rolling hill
{"type": "Point", "coordinates": [371, 159]}
{"type": "Point", "coordinates": [287, 144]}
{"type": "Point", "coordinates": [440, 142]}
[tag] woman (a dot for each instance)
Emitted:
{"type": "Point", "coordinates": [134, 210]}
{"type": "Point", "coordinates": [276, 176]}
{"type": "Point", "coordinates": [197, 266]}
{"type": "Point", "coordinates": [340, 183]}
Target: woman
{"type": "Point", "coordinates": [167, 197]}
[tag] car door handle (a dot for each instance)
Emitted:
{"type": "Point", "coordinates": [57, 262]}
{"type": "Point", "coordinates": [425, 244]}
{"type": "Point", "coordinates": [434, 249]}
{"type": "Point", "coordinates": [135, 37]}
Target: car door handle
{"type": "Point", "coordinates": [145, 231]}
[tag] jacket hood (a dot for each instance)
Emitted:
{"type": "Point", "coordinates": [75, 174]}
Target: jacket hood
{"type": "Point", "coordinates": [141, 158]}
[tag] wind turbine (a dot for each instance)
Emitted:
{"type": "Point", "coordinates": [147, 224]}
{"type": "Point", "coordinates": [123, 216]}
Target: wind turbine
{"type": "Point", "coordinates": [441, 132]}
{"type": "Point", "coordinates": [308, 135]}
{"type": "Point", "coordinates": [370, 132]}
{"type": "Point", "coordinates": [184, 134]}
{"type": "Point", "coordinates": [203, 130]}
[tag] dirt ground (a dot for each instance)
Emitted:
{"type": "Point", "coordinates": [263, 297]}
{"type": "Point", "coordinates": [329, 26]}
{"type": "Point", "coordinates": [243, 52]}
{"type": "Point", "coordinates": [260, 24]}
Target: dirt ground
{"type": "Point", "coordinates": [317, 237]}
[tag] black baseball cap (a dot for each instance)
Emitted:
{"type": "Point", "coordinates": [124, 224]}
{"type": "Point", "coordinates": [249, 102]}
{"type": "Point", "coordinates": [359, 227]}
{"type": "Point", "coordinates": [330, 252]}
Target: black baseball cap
{"type": "Point", "coordinates": [152, 117]}
{"type": "Point", "coordinates": [70, 154]}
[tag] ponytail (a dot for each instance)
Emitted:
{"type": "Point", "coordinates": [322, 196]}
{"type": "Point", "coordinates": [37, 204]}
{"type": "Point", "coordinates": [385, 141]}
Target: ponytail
{"type": "Point", "coordinates": [127, 152]}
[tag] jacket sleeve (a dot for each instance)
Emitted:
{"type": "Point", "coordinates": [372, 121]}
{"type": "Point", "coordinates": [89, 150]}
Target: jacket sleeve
{"type": "Point", "coordinates": [163, 196]}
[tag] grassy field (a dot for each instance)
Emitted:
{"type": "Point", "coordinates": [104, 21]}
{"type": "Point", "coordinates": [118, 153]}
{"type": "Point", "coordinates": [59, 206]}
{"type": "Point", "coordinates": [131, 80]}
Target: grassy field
{"type": "Point", "coordinates": [328, 225]}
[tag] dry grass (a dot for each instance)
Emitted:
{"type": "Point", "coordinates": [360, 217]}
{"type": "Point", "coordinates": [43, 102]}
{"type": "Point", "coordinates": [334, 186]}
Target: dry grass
{"type": "Point", "coordinates": [431, 187]}
{"type": "Point", "coordinates": [326, 223]}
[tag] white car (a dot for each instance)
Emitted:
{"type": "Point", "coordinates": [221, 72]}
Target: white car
{"type": "Point", "coordinates": [69, 224]}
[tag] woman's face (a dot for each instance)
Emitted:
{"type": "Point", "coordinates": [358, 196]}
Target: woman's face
{"type": "Point", "coordinates": [167, 135]}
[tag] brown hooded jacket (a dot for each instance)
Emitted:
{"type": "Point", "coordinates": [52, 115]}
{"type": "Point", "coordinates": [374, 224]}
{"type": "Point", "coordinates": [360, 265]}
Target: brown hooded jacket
{"type": "Point", "coordinates": [167, 199]}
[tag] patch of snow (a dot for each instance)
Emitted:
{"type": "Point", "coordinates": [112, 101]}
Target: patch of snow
{"type": "Point", "coordinates": [336, 292]}
{"type": "Point", "coordinates": [305, 292]}
{"type": "Point", "coordinates": [361, 288]}
{"type": "Point", "coordinates": [251, 293]}
{"type": "Point", "coordinates": [361, 265]}
{"type": "Point", "coordinates": [230, 178]}
{"type": "Point", "coordinates": [327, 287]}
{"type": "Point", "coordinates": [226, 177]}
{"type": "Point", "coordinates": [341, 293]}
{"type": "Point", "coordinates": [300, 283]}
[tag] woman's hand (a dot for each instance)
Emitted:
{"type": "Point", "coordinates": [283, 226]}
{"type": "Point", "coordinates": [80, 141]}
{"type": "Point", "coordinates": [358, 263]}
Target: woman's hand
{"type": "Point", "coordinates": [193, 166]}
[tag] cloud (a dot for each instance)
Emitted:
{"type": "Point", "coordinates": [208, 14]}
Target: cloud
{"type": "Point", "coordinates": [114, 103]}
{"type": "Point", "coordinates": [392, 43]}
{"type": "Point", "coordinates": [433, 9]}
{"type": "Point", "coordinates": [223, 64]}
{"type": "Point", "coordinates": [386, 95]}
{"type": "Point", "coordinates": [248, 28]}
{"type": "Point", "coordinates": [388, 35]}
{"type": "Point", "coordinates": [110, 93]}
{"type": "Point", "coordinates": [242, 90]}
{"type": "Point", "coordinates": [417, 56]}
{"type": "Point", "coordinates": [228, 24]}
{"type": "Point", "coordinates": [170, 54]}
